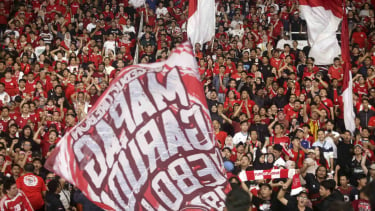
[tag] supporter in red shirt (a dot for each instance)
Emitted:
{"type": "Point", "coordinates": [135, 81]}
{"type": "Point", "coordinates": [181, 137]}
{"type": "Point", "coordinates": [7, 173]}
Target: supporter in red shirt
{"type": "Point", "coordinates": [294, 113]}
{"type": "Point", "coordinates": [220, 136]}
{"type": "Point", "coordinates": [30, 84]}
{"type": "Point", "coordinates": [359, 37]}
{"type": "Point", "coordinates": [336, 71]}
{"type": "Point", "coordinates": [33, 187]}
{"type": "Point", "coordinates": [360, 85]}
{"type": "Point", "coordinates": [45, 139]}
{"type": "Point", "coordinates": [4, 119]}
{"type": "Point", "coordinates": [10, 83]}
{"type": "Point", "coordinates": [326, 103]}
{"type": "Point", "coordinates": [246, 103]}
{"type": "Point", "coordinates": [25, 116]}
{"type": "Point", "coordinates": [14, 199]}
{"type": "Point", "coordinates": [70, 122]}
{"type": "Point", "coordinates": [275, 61]}
{"type": "Point", "coordinates": [278, 136]}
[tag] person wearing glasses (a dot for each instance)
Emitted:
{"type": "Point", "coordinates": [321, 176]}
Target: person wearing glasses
{"type": "Point", "coordinates": [299, 202]}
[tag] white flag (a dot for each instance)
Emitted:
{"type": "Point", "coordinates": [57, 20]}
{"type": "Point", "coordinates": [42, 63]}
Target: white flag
{"type": "Point", "coordinates": [323, 18]}
{"type": "Point", "coordinates": [201, 22]}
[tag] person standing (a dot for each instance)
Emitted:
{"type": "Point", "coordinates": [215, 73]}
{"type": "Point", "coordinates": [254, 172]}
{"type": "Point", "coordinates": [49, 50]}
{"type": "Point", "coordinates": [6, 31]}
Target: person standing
{"type": "Point", "coordinates": [33, 187]}
{"type": "Point", "coordinates": [53, 202]}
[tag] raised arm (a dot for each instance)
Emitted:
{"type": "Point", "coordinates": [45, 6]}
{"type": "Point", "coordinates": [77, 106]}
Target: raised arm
{"type": "Point", "coordinates": [36, 135]}
{"type": "Point", "coordinates": [281, 194]}
{"type": "Point", "coordinates": [270, 127]}
{"type": "Point", "coordinates": [363, 162]}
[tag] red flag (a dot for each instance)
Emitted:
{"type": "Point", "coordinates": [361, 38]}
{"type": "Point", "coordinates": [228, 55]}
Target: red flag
{"type": "Point", "coordinates": [347, 88]}
{"type": "Point", "coordinates": [147, 142]}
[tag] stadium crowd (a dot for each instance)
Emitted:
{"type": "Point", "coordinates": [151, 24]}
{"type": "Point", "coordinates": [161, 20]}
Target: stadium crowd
{"type": "Point", "coordinates": [271, 106]}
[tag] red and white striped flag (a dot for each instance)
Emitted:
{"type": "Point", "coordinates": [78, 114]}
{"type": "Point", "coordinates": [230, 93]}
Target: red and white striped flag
{"type": "Point", "coordinates": [266, 174]}
{"type": "Point", "coordinates": [201, 22]}
{"type": "Point", "coordinates": [347, 88]}
{"type": "Point", "coordinates": [323, 18]}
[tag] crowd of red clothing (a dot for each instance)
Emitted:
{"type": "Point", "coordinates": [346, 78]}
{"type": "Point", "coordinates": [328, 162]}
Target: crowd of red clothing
{"type": "Point", "coordinates": [271, 106]}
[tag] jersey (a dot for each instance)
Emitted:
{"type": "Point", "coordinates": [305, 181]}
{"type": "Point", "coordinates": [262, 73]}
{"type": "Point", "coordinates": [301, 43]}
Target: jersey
{"type": "Point", "coordinates": [18, 203]}
{"type": "Point", "coordinates": [32, 186]}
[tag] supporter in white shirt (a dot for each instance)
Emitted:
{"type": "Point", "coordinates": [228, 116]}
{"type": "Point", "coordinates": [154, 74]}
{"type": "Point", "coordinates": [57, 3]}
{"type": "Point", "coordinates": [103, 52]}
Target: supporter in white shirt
{"type": "Point", "coordinates": [237, 31]}
{"type": "Point", "coordinates": [241, 136]}
{"type": "Point", "coordinates": [10, 31]}
{"type": "Point", "coordinates": [332, 137]}
{"type": "Point", "coordinates": [4, 97]}
{"type": "Point", "coordinates": [277, 151]}
{"type": "Point", "coordinates": [326, 145]}
{"type": "Point", "coordinates": [161, 10]}
{"type": "Point", "coordinates": [128, 28]}
{"type": "Point", "coordinates": [108, 68]}
{"type": "Point", "coordinates": [91, 26]}
{"type": "Point", "coordinates": [285, 40]}
{"type": "Point", "coordinates": [236, 20]}
{"type": "Point", "coordinates": [110, 44]}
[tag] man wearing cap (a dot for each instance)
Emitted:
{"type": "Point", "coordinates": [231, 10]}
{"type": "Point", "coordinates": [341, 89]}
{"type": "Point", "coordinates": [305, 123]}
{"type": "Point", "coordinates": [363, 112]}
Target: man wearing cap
{"type": "Point", "coordinates": [358, 164]}
{"type": "Point", "coordinates": [305, 143]}
{"type": "Point", "coordinates": [293, 203]}
{"type": "Point", "coordinates": [295, 25]}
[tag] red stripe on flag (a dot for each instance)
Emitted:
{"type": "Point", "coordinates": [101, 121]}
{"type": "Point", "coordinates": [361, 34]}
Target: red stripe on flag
{"type": "Point", "coordinates": [334, 5]}
{"type": "Point", "coordinates": [192, 7]}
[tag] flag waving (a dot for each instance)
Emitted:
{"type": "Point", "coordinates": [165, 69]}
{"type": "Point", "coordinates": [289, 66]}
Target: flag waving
{"type": "Point", "coordinates": [323, 18]}
{"type": "Point", "coordinates": [137, 3]}
{"type": "Point", "coordinates": [347, 88]}
{"type": "Point", "coordinates": [201, 22]}
{"type": "Point", "coordinates": [147, 144]}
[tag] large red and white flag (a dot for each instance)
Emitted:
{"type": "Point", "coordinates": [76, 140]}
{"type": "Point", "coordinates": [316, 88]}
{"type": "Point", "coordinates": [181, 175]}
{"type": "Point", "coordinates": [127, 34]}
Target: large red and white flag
{"type": "Point", "coordinates": [323, 18]}
{"type": "Point", "coordinates": [201, 22]}
{"type": "Point", "coordinates": [147, 144]}
{"type": "Point", "coordinates": [347, 87]}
